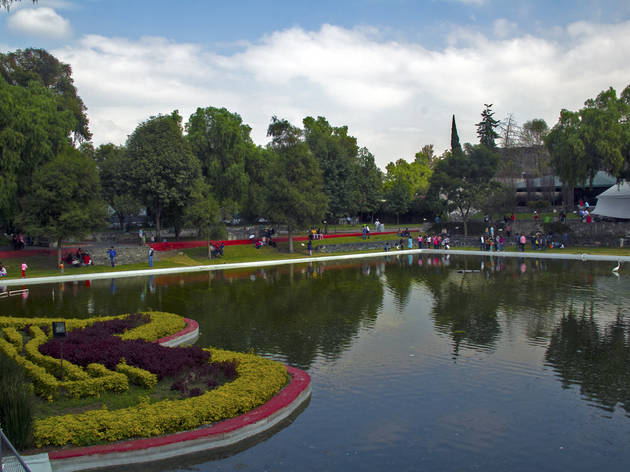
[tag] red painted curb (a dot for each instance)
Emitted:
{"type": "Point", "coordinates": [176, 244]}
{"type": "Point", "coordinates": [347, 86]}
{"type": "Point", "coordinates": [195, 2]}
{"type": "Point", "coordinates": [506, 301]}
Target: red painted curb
{"type": "Point", "coordinates": [300, 380]}
{"type": "Point", "coordinates": [191, 325]}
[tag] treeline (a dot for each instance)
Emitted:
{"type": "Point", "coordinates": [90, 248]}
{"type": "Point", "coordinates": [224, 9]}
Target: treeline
{"type": "Point", "coordinates": [206, 170]}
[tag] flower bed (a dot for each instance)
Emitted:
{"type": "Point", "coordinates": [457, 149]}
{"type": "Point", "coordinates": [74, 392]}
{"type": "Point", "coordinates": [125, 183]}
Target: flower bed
{"type": "Point", "coordinates": [256, 380]}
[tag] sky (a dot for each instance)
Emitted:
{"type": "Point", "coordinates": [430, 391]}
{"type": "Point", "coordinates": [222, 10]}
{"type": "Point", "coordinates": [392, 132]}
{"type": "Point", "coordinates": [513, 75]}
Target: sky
{"type": "Point", "coordinates": [393, 71]}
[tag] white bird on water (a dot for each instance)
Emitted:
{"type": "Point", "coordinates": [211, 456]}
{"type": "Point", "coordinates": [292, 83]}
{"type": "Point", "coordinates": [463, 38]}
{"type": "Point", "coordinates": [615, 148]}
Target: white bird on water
{"type": "Point", "coordinates": [616, 269]}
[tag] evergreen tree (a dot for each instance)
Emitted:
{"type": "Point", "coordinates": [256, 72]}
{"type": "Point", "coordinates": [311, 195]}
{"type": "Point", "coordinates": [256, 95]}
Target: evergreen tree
{"type": "Point", "coordinates": [486, 127]}
{"type": "Point", "coordinates": [455, 146]}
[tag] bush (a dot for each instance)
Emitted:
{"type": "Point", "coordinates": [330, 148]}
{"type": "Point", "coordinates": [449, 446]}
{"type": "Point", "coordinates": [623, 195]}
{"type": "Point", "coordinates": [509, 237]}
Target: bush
{"type": "Point", "coordinates": [539, 205]}
{"type": "Point", "coordinates": [16, 406]}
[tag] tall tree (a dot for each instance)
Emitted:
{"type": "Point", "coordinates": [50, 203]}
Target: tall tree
{"type": "Point", "coordinates": [24, 66]}
{"type": "Point", "coordinates": [295, 184]}
{"type": "Point", "coordinates": [336, 153]}
{"type": "Point", "coordinates": [533, 132]}
{"type": "Point", "coordinates": [32, 132]}
{"type": "Point", "coordinates": [114, 165]}
{"type": "Point", "coordinates": [222, 143]}
{"type": "Point", "coordinates": [486, 128]}
{"type": "Point", "coordinates": [164, 169]}
{"type": "Point", "coordinates": [64, 199]}
{"type": "Point", "coordinates": [369, 182]}
{"type": "Point", "coordinates": [455, 145]}
{"type": "Point", "coordinates": [510, 132]}
{"type": "Point", "coordinates": [464, 178]}
{"type": "Point", "coordinates": [567, 153]}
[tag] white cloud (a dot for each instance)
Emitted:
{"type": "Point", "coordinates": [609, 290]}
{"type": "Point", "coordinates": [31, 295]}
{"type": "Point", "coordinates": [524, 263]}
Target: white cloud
{"type": "Point", "coordinates": [395, 97]}
{"type": "Point", "coordinates": [40, 22]}
{"type": "Point", "coordinates": [503, 28]}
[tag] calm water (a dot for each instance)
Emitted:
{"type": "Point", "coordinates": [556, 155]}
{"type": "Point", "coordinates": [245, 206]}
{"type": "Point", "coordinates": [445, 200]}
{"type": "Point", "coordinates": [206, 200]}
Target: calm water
{"type": "Point", "coordinates": [524, 365]}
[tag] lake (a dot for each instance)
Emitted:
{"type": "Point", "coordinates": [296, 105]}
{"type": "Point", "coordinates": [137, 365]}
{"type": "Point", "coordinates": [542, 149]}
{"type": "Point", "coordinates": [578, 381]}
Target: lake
{"type": "Point", "coordinates": [417, 363]}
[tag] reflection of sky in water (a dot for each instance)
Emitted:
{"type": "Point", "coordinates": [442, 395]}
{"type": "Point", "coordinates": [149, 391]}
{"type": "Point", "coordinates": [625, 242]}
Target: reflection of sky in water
{"type": "Point", "coordinates": [415, 366]}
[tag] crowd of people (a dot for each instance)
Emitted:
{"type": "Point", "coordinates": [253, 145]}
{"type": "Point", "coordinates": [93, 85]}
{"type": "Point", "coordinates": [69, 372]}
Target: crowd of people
{"type": "Point", "coordinates": [80, 258]}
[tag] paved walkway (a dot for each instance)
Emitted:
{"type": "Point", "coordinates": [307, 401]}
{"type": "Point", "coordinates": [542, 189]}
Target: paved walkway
{"type": "Point", "coordinates": [241, 265]}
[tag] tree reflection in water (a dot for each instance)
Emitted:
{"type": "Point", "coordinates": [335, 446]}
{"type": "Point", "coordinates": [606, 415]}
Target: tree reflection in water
{"type": "Point", "coordinates": [598, 359]}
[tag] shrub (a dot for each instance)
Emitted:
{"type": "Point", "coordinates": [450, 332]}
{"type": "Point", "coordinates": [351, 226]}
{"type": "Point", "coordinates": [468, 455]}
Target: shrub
{"type": "Point", "coordinates": [16, 406]}
{"type": "Point", "coordinates": [14, 337]}
{"type": "Point", "coordinates": [137, 376]}
{"type": "Point", "coordinates": [258, 380]}
{"type": "Point", "coordinates": [539, 204]}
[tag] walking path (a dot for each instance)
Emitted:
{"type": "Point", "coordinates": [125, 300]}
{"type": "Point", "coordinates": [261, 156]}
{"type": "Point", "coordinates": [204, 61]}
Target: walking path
{"type": "Point", "coordinates": [303, 260]}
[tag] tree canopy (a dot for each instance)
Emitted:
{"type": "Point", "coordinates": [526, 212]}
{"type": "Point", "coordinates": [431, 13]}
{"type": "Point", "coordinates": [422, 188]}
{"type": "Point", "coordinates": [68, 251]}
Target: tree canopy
{"type": "Point", "coordinates": [223, 146]}
{"type": "Point", "coordinates": [295, 183]}
{"type": "Point", "coordinates": [597, 137]}
{"type": "Point", "coordinates": [64, 199]}
{"type": "Point", "coordinates": [464, 178]}
{"type": "Point", "coordinates": [486, 128]}
{"type": "Point", "coordinates": [32, 132]}
{"type": "Point", "coordinates": [24, 66]}
{"type": "Point", "coordinates": [164, 169]}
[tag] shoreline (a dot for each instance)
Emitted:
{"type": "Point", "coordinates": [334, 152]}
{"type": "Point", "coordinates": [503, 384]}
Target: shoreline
{"type": "Point", "coordinates": [305, 260]}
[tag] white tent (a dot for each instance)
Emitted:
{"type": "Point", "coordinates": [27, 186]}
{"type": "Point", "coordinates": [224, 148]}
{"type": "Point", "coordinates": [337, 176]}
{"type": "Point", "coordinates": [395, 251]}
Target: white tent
{"type": "Point", "coordinates": [614, 202]}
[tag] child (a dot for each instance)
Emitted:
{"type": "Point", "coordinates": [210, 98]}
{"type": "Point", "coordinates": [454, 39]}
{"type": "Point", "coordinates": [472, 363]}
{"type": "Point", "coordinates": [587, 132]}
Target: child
{"type": "Point", "coordinates": [24, 267]}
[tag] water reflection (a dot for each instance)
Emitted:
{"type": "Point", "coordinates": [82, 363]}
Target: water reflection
{"type": "Point", "coordinates": [315, 313]}
{"type": "Point", "coordinates": [596, 358]}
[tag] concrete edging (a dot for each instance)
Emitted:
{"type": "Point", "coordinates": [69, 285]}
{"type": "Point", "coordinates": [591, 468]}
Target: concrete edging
{"type": "Point", "coordinates": [187, 335]}
{"type": "Point", "coordinates": [303, 260]}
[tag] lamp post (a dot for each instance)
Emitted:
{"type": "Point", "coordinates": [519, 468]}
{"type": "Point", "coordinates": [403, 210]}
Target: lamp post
{"type": "Point", "coordinates": [59, 331]}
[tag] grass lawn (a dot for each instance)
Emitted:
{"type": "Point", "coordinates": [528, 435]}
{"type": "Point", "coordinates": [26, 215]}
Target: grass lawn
{"type": "Point", "coordinates": [41, 265]}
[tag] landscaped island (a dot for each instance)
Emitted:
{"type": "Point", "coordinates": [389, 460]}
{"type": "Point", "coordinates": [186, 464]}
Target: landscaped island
{"type": "Point", "coordinates": [116, 383]}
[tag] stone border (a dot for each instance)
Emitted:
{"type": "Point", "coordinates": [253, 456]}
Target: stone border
{"type": "Point", "coordinates": [218, 436]}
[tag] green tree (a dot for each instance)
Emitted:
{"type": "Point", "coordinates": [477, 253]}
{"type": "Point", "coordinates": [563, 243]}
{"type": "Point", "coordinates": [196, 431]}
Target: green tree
{"type": "Point", "coordinates": [336, 153]}
{"type": "Point", "coordinates": [533, 132]}
{"type": "Point", "coordinates": [464, 178]}
{"type": "Point", "coordinates": [405, 182]}
{"type": "Point", "coordinates": [498, 199]}
{"type": "Point", "coordinates": [427, 156]}
{"type": "Point", "coordinates": [64, 199]}
{"type": "Point", "coordinates": [368, 182]}
{"type": "Point", "coordinates": [602, 126]}
{"type": "Point", "coordinates": [222, 143]}
{"type": "Point", "coordinates": [455, 145]}
{"type": "Point", "coordinates": [257, 165]}
{"type": "Point", "coordinates": [24, 66]}
{"type": "Point", "coordinates": [114, 165]}
{"type": "Point", "coordinates": [164, 169]}
{"type": "Point", "coordinates": [32, 132]}
{"type": "Point", "coordinates": [295, 184]}
{"type": "Point", "coordinates": [203, 212]}
{"type": "Point", "coordinates": [486, 128]}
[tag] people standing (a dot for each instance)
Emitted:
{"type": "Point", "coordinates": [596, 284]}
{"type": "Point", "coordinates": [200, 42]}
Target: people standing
{"type": "Point", "coordinates": [521, 242]}
{"type": "Point", "coordinates": [309, 247]}
{"type": "Point", "coordinates": [24, 267]}
{"type": "Point", "coordinates": [150, 256]}
{"type": "Point", "coordinates": [112, 255]}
